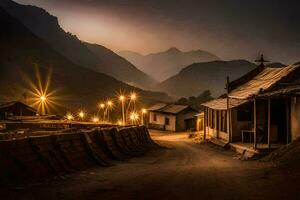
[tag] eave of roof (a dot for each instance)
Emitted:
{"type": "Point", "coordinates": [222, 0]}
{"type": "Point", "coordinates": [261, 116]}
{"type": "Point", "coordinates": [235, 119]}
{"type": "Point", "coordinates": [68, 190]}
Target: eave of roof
{"type": "Point", "coordinates": [221, 103]}
{"type": "Point", "coordinates": [262, 81]}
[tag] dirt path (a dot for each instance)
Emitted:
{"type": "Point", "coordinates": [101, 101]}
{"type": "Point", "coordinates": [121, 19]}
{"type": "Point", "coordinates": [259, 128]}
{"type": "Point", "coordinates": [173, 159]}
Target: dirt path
{"type": "Point", "coordinates": [180, 170]}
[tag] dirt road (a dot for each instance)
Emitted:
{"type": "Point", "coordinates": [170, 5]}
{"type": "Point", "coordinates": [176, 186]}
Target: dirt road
{"type": "Point", "coordinates": [179, 170]}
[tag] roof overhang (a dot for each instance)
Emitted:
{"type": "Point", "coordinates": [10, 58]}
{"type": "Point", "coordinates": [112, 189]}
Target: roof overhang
{"type": "Point", "coordinates": [221, 103]}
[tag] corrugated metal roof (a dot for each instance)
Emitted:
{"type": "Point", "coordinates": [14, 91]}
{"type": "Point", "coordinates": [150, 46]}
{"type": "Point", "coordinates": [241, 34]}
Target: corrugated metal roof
{"type": "Point", "coordinates": [11, 103]}
{"type": "Point", "coordinates": [284, 91]}
{"type": "Point", "coordinates": [157, 106]}
{"type": "Point", "coordinates": [262, 81]}
{"type": "Point", "coordinates": [168, 108]}
{"type": "Point", "coordinates": [7, 104]}
{"type": "Point", "coordinates": [221, 103]}
{"type": "Point", "coordinates": [172, 108]}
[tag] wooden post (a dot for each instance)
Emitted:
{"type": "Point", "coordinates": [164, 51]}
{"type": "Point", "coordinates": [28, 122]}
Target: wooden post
{"type": "Point", "coordinates": [269, 123]}
{"type": "Point", "coordinates": [204, 123]}
{"type": "Point", "coordinates": [220, 119]}
{"type": "Point", "coordinates": [227, 108]}
{"type": "Point", "coordinates": [287, 120]}
{"type": "Point", "coordinates": [255, 124]}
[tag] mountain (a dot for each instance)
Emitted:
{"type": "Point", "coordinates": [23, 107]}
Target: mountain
{"type": "Point", "coordinates": [162, 65]}
{"type": "Point", "coordinates": [97, 58]}
{"type": "Point", "coordinates": [21, 52]}
{"type": "Point", "coordinates": [198, 77]}
{"type": "Point", "coordinates": [122, 67]}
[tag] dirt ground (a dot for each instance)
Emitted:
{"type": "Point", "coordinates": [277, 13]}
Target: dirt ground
{"type": "Point", "coordinates": [181, 169]}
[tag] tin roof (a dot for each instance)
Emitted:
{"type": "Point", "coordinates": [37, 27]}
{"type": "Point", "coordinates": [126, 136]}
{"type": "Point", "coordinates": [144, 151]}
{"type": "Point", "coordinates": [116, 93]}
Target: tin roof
{"type": "Point", "coordinates": [12, 103]}
{"type": "Point", "coordinates": [221, 103]}
{"type": "Point", "coordinates": [157, 106]}
{"type": "Point", "coordinates": [262, 81]}
{"type": "Point", "coordinates": [169, 108]}
{"type": "Point", "coordinates": [283, 91]}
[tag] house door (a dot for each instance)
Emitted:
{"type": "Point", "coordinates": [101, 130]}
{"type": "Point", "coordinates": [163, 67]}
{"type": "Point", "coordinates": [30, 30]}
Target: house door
{"type": "Point", "coordinates": [190, 124]}
{"type": "Point", "coordinates": [280, 108]}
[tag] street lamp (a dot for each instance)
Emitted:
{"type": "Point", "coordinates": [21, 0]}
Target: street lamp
{"type": "Point", "coordinates": [122, 99]}
{"type": "Point", "coordinates": [43, 98]}
{"type": "Point", "coordinates": [134, 117]}
{"type": "Point", "coordinates": [144, 111]}
{"type": "Point", "coordinates": [109, 105]}
{"type": "Point", "coordinates": [95, 119]}
{"type": "Point", "coordinates": [81, 115]}
{"type": "Point", "coordinates": [70, 117]}
{"type": "Point", "coordinates": [101, 107]}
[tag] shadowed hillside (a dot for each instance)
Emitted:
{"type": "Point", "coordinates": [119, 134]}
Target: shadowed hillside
{"type": "Point", "coordinates": [194, 79]}
{"type": "Point", "coordinates": [162, 65]}
{"type": "Point", "coordinates": [79, 87]}
{"type": "Point", "coordinates": [102, 60]}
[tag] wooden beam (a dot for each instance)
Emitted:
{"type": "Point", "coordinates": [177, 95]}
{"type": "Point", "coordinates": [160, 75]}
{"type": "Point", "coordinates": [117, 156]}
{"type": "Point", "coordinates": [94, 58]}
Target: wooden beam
{"type": "Point", "coordinates": [269, 123]}
{"type": "Point", "coordinates": [204, 123]}
{"type": "Point", "coordinates": [255, 124]}
{"type": "Point", "coordinates": [287, 105]}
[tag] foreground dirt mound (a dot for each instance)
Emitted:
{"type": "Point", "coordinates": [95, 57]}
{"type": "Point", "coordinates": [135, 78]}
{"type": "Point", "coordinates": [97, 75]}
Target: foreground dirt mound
{"type": "Point", "coordinates": [288, 154]}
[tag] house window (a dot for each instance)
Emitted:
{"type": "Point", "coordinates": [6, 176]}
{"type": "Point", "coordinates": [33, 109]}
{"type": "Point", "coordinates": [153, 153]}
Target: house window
{"type": "Point", "coordinates": [154, 117]}
{"type": "Point", "coordinates": [167, 121]}
{"type": "Point", "coordinates": [243, 115]}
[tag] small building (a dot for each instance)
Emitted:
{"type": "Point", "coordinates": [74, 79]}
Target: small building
{"type": "Point", "coordinates": [15, 108]}
{"type": "Point", "coordinates": [260, 109]}
{"type": "Point", "coordinates": [172, 117]}
{"type": "Point", "coordinates": [200, 122]}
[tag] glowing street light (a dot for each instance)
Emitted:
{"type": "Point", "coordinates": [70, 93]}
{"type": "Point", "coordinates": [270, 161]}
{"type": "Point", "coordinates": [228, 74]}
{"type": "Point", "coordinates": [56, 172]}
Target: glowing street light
{"type": "Point", "coordinates": [134, 117]}
{"type": "Point", "coordinates": [102, 106]}
{"type": "Point", "coordinates": [122, 99]}
{"type": "Point", "coordinates": [144, 111]}
{"type": "Point", "coordinates": [133, 96]}
{"type": "Point", "coordinates": [109, 106]}
{"type": "Point", "coordinates": [120, 122]}
{"type": "Point", "coordinates": [95, 119]}
{"type": "Point", "coordinates": [70, 117]}
{"type": "Point", "coordinates": [43, 98]}
{"type": "Point", "coordinates": [81, 115]}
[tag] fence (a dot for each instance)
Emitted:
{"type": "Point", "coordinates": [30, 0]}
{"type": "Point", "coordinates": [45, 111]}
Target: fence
{"type": "Point", "coordinates": [36, 158]}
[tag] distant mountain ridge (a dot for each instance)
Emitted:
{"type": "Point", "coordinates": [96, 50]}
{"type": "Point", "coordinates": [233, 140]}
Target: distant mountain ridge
{"type": "Point", "coordinates": [79, 87]}
{"type": "Point", "coordinates": [164, 64]}
{"type": "Point", "coordinates": [125, 68]}
{"type": "Point", "coordinates": [47, 27]}
{"type": "Point", "coordinates": [198, 77]}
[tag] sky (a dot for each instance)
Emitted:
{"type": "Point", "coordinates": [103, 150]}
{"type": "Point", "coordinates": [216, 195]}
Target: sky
{"type": "Point", "coordinates": [231, 29]}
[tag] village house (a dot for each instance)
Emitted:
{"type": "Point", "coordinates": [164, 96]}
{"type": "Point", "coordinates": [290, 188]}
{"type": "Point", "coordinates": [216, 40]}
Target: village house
{"type": "Point", "coordinates": [172, 117]}
{"type": "Point", "coordinates": [261, 110]}
{"type": "Point", "coordinates": [15, 108]}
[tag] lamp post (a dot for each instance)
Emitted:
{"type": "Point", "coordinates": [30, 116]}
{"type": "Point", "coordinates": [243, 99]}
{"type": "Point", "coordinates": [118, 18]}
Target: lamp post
{"type": "Point", "coordinates": [122, 99]}
{"type": "Point", "coordinates": [43, 101]}
{"type": "Point", "coordinates": [144, 111]}
{"type": "Point", "coordinates": [133, 98]}
{"type": "Point", "coordinates": [101, 107]}
{"type": "Point", "coordinates": [109, 105]}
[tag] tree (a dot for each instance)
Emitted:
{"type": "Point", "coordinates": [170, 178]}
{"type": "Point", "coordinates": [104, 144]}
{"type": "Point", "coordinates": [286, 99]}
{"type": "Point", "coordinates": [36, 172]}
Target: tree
{"type": "Point", "coordinates": [195, 102]}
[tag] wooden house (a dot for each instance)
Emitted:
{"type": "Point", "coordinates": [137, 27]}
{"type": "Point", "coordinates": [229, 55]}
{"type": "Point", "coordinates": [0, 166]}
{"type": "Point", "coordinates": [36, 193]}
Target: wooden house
{"type": "Point", "coordinates": [261, 109]}
{"type": "Point", "coordinates": [172, 117]}
{"type": "Point", "coordinates": [15, 108]}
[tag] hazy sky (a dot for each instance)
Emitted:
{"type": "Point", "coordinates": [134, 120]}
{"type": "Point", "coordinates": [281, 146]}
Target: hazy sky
{"type": "Point", "coordinates": [229, 28]}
